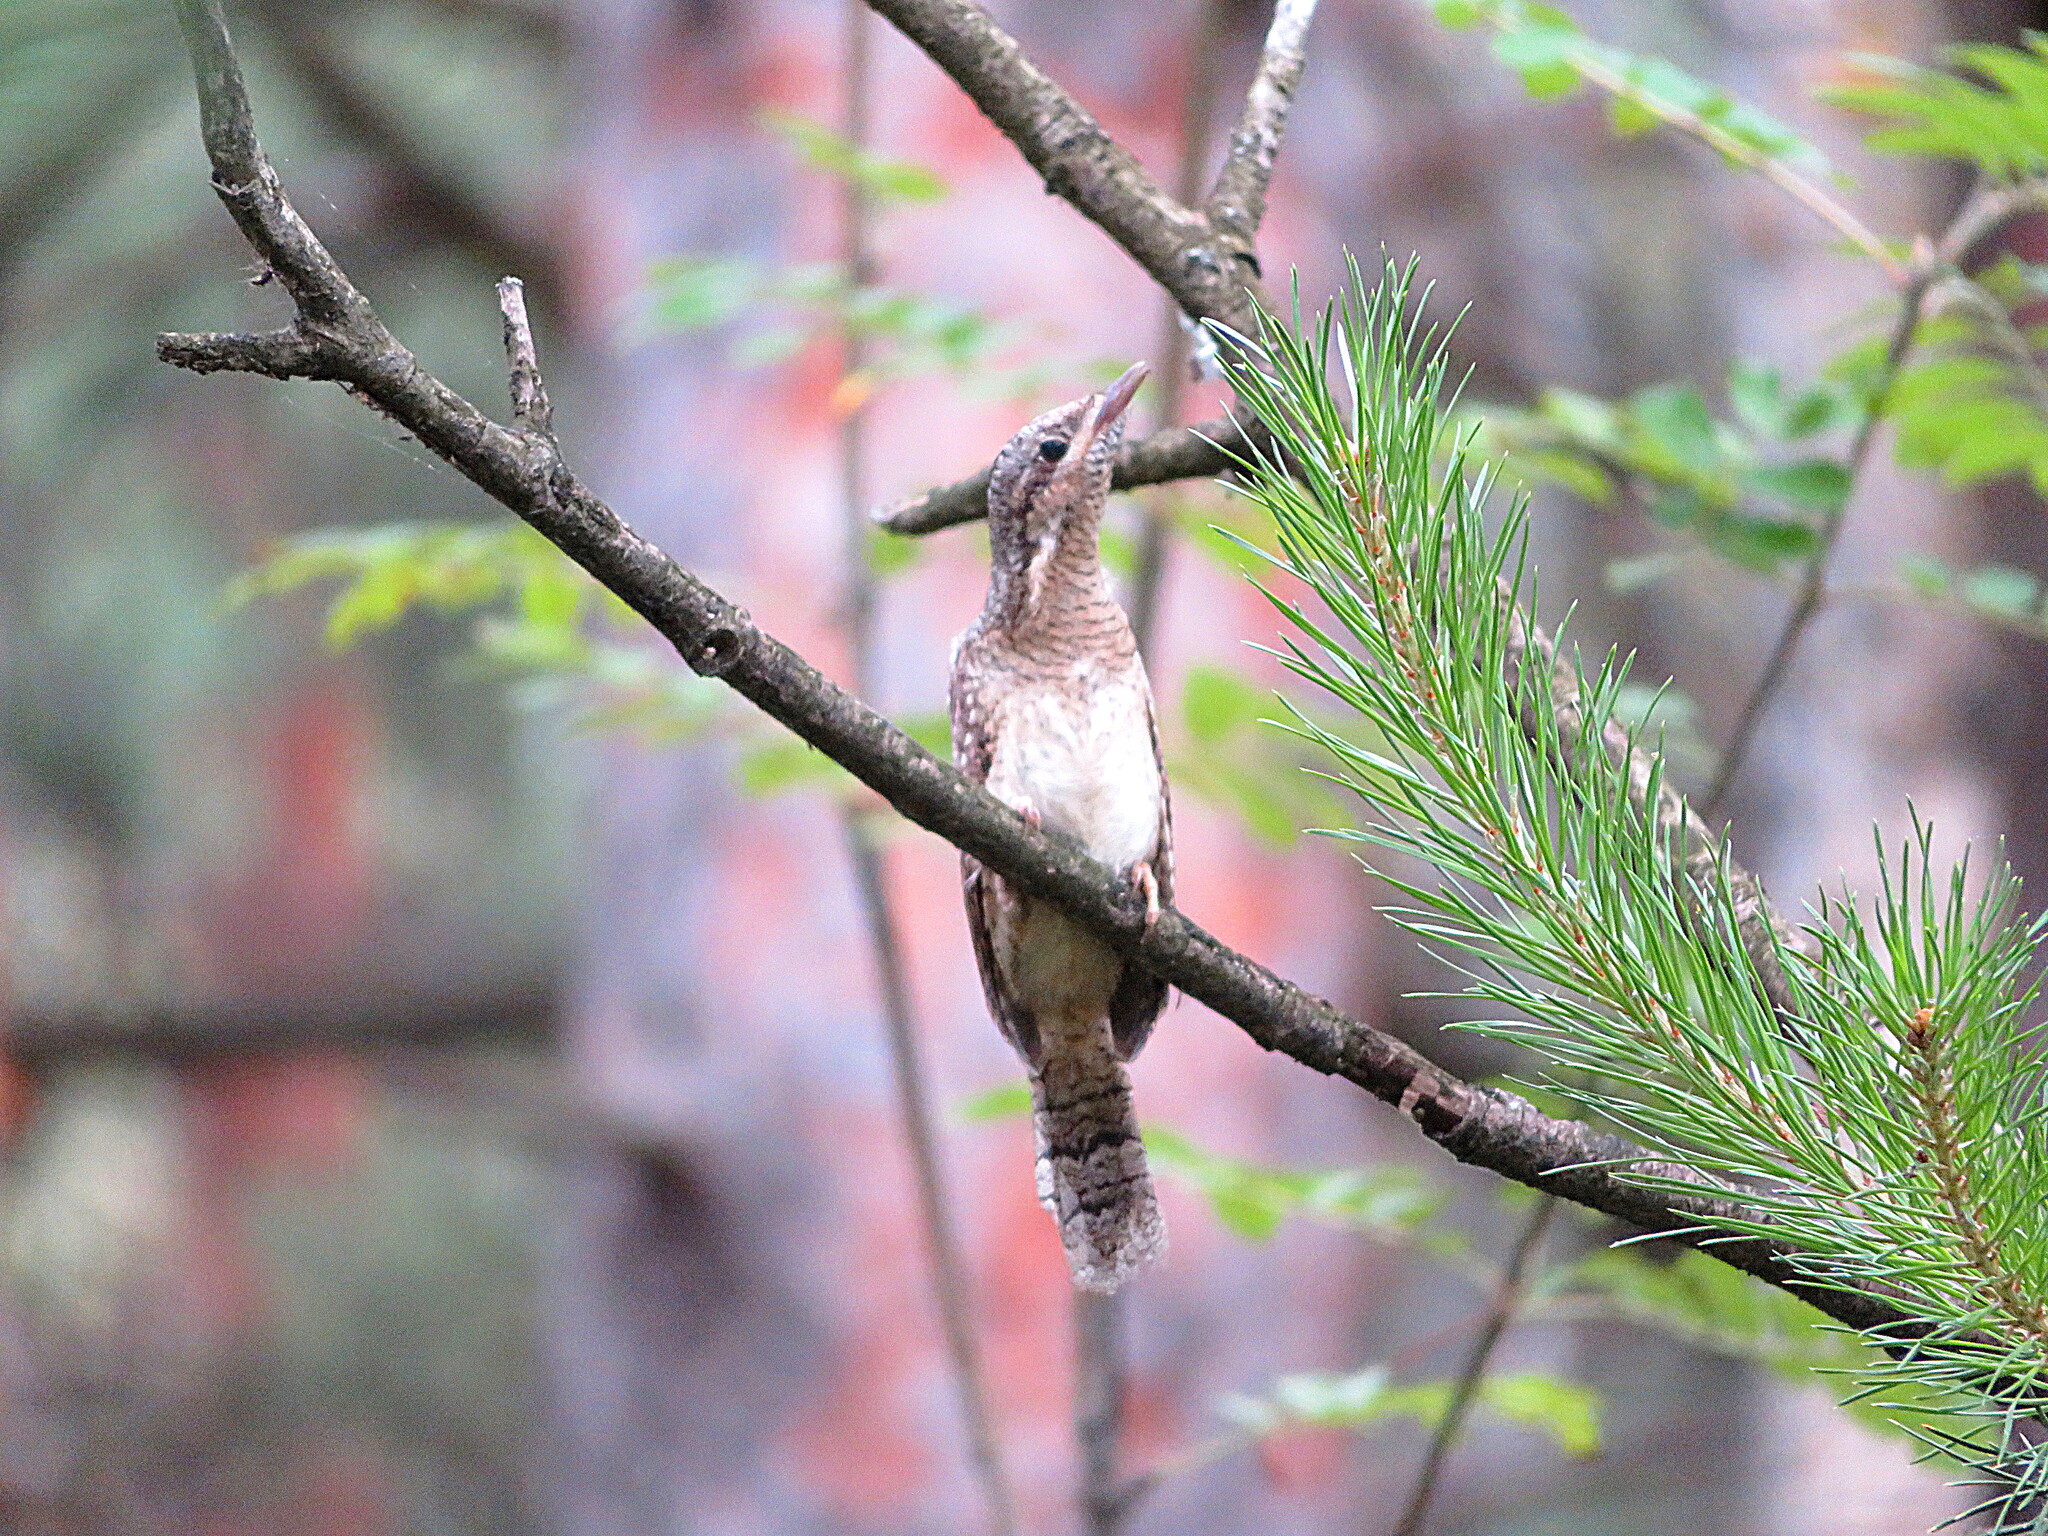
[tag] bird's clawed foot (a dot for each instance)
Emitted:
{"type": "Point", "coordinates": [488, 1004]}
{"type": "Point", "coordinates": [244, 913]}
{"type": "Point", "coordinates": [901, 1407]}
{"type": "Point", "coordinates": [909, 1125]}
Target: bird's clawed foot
{"type": "Point", "coordinates": [1146, 882]}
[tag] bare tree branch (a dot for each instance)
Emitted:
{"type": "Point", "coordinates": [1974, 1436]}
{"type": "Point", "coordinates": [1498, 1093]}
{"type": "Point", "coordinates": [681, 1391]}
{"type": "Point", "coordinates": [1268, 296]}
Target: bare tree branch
{"type": "Point", "coordinates": [1237, 203]}
{"type": "Point", "coordinates": [521, 1013]}
{"type": "Point", "coordinates": [337, 335]}
{"type": "Point", "coordinates": [1078, 159]}
{"type": "Point", "coordinates": [1200, 452]}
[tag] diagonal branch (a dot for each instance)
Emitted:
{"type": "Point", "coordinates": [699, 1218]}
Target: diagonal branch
{"type": "Point", "coordinates": [1237, 203]}
{"type": "Point", "coordinates": [1075, 154]}
{"type": "Point", "coordinates": [336, 335]}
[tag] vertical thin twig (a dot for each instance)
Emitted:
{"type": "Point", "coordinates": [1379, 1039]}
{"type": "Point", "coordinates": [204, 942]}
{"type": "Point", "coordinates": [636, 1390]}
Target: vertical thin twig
{"type": "Point", "coordinates": [1170, 374]}
{"type": "Point", "coordinates": [1099, 1408]}
{"type": "Point", "coordinates": [857, 616]}
{"type": "Point", "coordinates": [1499, 1315]}
{"type": "Point", "coordinates": [1100, 1365]}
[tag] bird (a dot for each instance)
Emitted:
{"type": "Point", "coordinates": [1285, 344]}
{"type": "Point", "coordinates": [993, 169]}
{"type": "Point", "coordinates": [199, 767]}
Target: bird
{"type": "Point", "coordinates": [1052, 713]}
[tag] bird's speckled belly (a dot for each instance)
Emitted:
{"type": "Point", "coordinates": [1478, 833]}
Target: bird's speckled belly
{"type": "Point", "coordinates": [1081, 757]}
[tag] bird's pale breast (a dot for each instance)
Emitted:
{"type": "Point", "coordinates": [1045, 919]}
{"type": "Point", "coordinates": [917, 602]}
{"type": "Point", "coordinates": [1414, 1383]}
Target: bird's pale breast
{"type": "Point", "coordinates": [1079, 753]}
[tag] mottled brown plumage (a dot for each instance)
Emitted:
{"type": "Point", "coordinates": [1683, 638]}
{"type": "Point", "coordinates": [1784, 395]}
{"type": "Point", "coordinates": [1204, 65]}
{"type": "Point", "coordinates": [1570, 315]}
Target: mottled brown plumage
{"type": "Point", "coordinates": [1052, 711]}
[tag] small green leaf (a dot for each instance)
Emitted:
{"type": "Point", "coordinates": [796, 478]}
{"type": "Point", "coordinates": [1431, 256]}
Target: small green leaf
{"type": "Point", "coordinates": [1216, 703]}
{"type": "Point", "coordinates": [1565, 1410]}
{"type": "Point", "coordinates": [1926, 575]}
{"type": "Point", "coordinates": [1629, 118]}
{"type": "Point", "coordinates": [1645, 570]}
{"type": "Point", "coordinates": [1576, 473]}
{"type": "Point", "coordinates": [931, 729]}
{"type": "Point", "coordinates": [833, 154]}
{"type": "Point", "coordinates": [1676, 418]}
{"type": "Point", "coordinates": [1458, 15]}
{"type": "Point", "coordinates": [1006, 1101]}
{"type": "Point", "coordinates": [1119, 551]}
{"type": "Point", "coordinates": [2001, 590]}
{"type": "Point", "coordinates": [1815, 411]}
{"type": "Point", "coordinates": [687, 293]}
{"type": "Point", "coordinates": [1591, 420]}
{"type": "Point", "coordinates": [890, 554]}
{"type": "Point", "coordinates": [1757, 393]}
{"type": "Point", "coordinates": [785, 763]}
{"type": "Point", "coordinates": [1388, 1201]}
{"type": "Point", "coordinates": [1813, 485]}
{"type": "Point", "coordinates": [1676, 506]}
{"type": "Point", "coordinates": [1760, 543]}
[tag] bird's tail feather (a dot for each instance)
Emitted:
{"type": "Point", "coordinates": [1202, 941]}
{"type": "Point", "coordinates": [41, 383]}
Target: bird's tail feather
{"type": "Point", "coordinates": [1091, 1165]}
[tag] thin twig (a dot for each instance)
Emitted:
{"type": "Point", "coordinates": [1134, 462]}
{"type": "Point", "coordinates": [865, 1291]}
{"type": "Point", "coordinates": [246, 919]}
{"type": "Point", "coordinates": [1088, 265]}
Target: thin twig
{"type": "Point", "coordinates": [336, 335]}
{"type": "Point", "coordinates": [1812, 594]}
{"type": "Point", "coordinates": [1465, 1392]}
{"type": "Point", "coordinates": [1170, 360]}
{"type": "Point", "coordinates": [1816, 199]}
{"type": "Point", "coordinates": [1985, 209]}
{"type": "Point", "coordinates": [1099, 1410]}
{"type": "Point", "coordinates": [531, 409]}
{"type": "Point", "coordinates": [1236, 205]}
{"type": "Point", "coordinates": [1234, 212]}
{"type": "Point", "coordinates": [950, 1284]}
{"type": "Point", "coordinates": [1200, 452]}
{"type": "Point", "coordinates": [1100, 1358]}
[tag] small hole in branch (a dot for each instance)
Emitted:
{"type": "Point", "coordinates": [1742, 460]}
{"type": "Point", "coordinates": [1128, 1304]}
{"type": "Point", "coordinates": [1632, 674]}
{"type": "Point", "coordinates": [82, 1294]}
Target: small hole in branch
{"type": "Point", "coordinates": [716, 655]}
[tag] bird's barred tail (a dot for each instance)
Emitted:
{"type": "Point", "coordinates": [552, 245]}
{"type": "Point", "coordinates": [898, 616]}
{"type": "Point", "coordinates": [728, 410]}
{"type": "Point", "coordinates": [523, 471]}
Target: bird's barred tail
{"type": "Point", "coordinates": [1091, 1164]}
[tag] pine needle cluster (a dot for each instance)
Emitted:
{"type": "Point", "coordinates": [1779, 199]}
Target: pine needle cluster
{"type": "Point", "coordinates": [1887, 1125]}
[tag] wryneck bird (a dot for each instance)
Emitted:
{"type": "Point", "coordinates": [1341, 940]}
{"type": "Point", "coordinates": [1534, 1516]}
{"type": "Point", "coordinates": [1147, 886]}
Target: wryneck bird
{"type": "Point", "coordinates": [1052, 712]}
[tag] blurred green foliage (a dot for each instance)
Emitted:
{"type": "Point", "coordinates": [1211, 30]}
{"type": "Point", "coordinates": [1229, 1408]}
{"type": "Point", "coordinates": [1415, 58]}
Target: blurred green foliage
{"type": "Point", "coordinates": [1565, 1411]}
{"type": "Point", "coordinates": [1553, 57]}
{"type": "Point", "coordinates": [1997, 121]}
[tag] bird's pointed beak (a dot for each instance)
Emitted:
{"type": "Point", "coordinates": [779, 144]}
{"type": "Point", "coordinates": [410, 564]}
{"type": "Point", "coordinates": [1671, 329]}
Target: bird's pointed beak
{"type": "Point", "coordinates": [1110, 406]}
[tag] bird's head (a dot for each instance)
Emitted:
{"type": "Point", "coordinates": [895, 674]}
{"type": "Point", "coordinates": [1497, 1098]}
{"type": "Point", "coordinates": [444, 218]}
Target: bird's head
{"type": "Point", "coordinates": [1053, 478]}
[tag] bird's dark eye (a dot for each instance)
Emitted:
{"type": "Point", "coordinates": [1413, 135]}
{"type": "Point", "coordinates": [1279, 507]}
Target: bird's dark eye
{"type": "Point", "coordinates": [1053, 449]}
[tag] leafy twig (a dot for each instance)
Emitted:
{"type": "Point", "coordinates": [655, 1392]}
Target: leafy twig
{"type": "Point", "coordinates": [1988, 206]}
